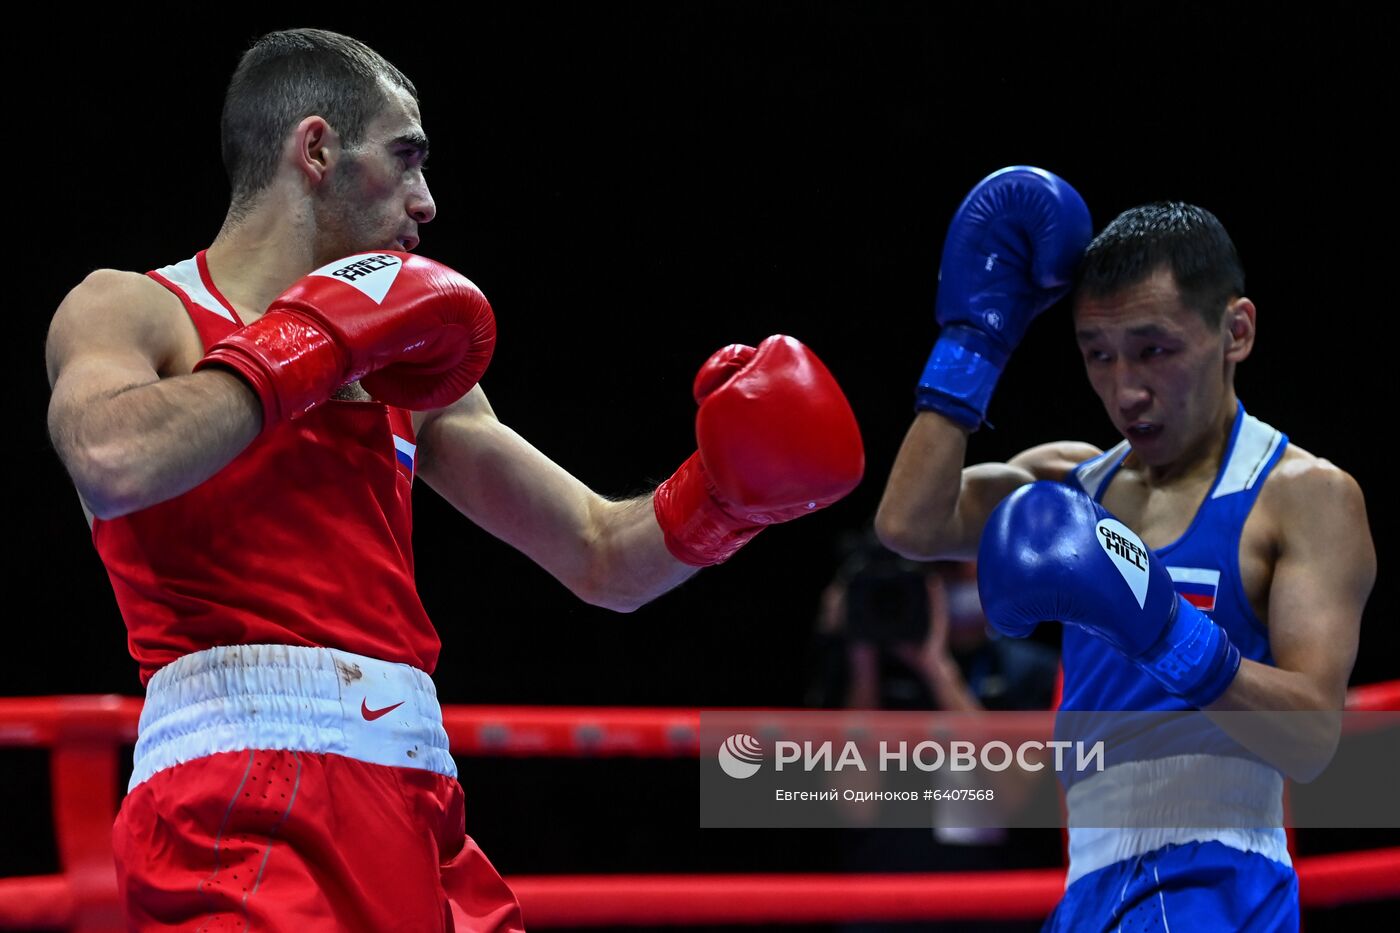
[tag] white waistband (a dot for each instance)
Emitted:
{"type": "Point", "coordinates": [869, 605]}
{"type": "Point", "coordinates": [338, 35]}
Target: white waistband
{"type": "Point", "coordinates": [288, 697]}
{"type": "Point", "coordinates": [1137, 807]}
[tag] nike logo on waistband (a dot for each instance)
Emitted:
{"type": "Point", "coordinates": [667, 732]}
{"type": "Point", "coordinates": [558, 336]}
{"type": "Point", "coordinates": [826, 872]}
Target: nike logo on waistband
{"type": "Point", "coordinates": [372, 714]}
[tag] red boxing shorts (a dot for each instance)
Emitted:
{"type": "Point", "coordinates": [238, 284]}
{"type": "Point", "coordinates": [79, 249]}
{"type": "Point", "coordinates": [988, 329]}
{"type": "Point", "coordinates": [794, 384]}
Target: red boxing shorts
{"type": "Point", "coordinates": [266, 798]}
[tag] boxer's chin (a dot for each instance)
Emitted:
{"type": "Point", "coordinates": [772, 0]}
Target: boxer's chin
{"type": "Point", "coordinates": [1150, 444]}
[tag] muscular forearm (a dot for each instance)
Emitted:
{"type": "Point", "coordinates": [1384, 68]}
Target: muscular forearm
{"type": "Point", "coordinates": [631, 565]}
{"type": "Point", "coordinates": [152, 442]}
{"type": "Point", "coordinates": [1282, 717]}
{"type": "Point", "coordinates": [918, 510]}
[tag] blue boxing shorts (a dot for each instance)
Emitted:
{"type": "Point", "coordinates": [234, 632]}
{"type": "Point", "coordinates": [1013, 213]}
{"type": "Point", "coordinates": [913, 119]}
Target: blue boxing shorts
{"type": "Point", "coordinates": [1195, 887]}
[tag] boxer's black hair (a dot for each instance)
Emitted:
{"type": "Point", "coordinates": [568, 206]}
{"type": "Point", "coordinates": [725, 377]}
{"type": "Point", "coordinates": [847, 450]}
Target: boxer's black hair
{"type": "Point", "coordinates": [1187, 239]}
{"type": "Point", "coordinates": [285, 77]}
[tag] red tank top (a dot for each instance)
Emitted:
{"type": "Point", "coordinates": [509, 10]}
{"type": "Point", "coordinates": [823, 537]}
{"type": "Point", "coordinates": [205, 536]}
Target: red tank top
{"type": "Point", "coordinates": [304, 538]}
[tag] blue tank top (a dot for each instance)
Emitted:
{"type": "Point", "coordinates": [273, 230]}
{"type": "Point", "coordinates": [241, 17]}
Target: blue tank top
{"type": "Point", "coordinates": [1204, 563]}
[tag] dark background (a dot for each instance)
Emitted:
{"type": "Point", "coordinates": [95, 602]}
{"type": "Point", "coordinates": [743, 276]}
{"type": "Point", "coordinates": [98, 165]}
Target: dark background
{"type": "Point", "coordinates": [635, 186]}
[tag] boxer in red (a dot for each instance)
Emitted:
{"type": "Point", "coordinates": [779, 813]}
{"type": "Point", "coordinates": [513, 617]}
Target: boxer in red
{"type": "Point", "coordinates": [243, 429]}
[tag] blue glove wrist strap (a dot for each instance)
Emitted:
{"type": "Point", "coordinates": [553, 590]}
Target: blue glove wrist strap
{"type": "Point", "coordinates": [960, 375]}
{"type": "Point", "coordinates": [1194, 658]}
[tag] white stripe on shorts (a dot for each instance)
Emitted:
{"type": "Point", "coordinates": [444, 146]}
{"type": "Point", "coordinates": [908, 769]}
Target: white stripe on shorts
{"type": "Point", "coordinates": [1137, 807]}
{"type": "Point", "coordinates": [323, 700]}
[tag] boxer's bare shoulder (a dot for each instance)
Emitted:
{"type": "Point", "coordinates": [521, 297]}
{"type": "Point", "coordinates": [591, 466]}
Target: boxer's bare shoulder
{"type": "Point", "coordinates": [1310, 521]}
{"type": "Point", "coordinates": [122, 324]}
{"type": "Point", "coordinates": [1055, 460]}
{"type": "Point", "coordinates": [1304, 483]}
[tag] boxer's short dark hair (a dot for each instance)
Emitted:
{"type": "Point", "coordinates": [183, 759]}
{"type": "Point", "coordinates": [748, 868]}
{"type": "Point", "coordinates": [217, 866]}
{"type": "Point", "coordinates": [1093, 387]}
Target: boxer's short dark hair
{"type": "Point", "coordinates": [285, 77]}
{"type": "Point", "coordinates": [1187, 239]}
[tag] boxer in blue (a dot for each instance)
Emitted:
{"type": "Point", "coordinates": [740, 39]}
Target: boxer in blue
{"type": "Point", "coordinates": [1202, 563]}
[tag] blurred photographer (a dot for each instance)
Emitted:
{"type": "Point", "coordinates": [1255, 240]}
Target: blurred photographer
{"type": "Point", "coordinates": [897, 635]}
{"type": "Point", "coordinates": [901, 636]}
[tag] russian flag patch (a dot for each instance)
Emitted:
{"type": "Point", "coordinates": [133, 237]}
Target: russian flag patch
{"type": "Point", "coordinates": [405, 451]}
{"type": "Point", "coordinates": [1197, 585]}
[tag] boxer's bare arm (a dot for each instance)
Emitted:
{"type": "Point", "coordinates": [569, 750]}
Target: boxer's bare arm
{"type": "Point", "coordinates": [1323, 574]}
{"type": "Point", "coordinates": [934, 508]}
{"type": "Point", "coordinates": [128, 437]}
{"type": "Point", "coordinates": [609, 553]}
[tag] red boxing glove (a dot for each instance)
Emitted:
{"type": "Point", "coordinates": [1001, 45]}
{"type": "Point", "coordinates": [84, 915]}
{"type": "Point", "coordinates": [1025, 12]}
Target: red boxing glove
{"type": "Point", "coordinates": [417, 334]}
{"type": "Point", "coordinates": [777, 440]}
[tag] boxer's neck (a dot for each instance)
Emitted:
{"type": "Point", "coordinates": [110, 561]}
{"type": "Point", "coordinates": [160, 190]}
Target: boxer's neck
{"type": "Point", "coordinates": [258, 256]}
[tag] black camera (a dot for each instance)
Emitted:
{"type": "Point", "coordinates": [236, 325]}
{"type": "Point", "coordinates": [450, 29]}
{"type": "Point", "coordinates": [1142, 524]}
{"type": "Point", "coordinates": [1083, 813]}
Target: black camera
{"type": "Point", "coordinates": [886, 600]}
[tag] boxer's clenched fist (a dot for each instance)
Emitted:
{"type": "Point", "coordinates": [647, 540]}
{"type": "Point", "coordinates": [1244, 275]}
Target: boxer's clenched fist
{"type": "Point", "coordinates": [777, 440]}
{"type": "Point", "coordinates": [1051, 552]}
{"type": "Point", "coordinates": [1011, 252]}
{"type": "Point", "coordinates": [415, 333]}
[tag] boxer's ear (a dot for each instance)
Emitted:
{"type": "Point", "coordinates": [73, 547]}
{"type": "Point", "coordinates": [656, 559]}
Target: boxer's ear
{"type": "Point", "coordinates": [1239, 323]}
{"type": "Point", "coordinates": [313, 147]}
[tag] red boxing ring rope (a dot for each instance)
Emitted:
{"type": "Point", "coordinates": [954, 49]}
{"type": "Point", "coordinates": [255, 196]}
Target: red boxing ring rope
{"type": "Point", "coordinates": [86, 732]}
{"type": "Point", "coordinates": [619, 900]}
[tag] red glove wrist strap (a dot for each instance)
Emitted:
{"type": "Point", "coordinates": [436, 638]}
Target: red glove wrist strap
{"type": "Point", "coordinates": [291, 364]}
{"type": "Point", "coordinates": [697, 529]}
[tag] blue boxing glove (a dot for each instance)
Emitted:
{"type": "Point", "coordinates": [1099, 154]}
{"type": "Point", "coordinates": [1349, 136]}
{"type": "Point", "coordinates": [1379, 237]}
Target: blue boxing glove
{"type": "Point", "coordinates": [1051, 552]}
{"type": "Point", "coordinates": [1011, 252]}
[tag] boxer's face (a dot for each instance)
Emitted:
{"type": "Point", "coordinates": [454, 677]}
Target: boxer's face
{"type": "Point", "coordinates": [377, 197]}
{"type": "Point", "coordinates": [1163, 374]}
